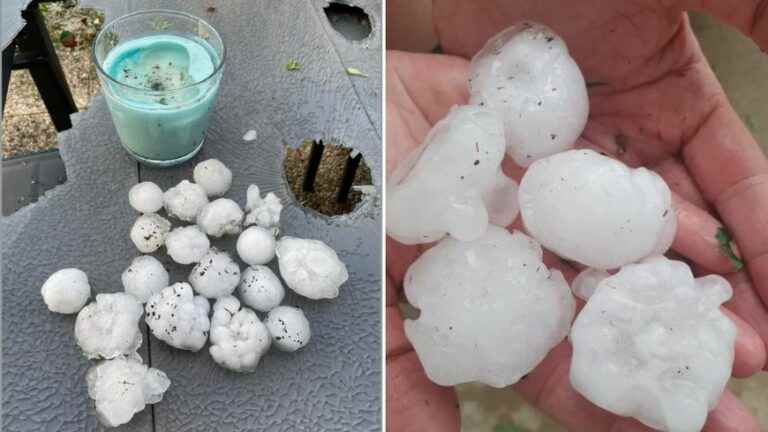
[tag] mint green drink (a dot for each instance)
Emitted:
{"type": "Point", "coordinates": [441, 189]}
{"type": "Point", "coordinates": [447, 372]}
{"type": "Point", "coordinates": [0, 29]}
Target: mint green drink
{"type": "Point", "coordinates": [160, 84]}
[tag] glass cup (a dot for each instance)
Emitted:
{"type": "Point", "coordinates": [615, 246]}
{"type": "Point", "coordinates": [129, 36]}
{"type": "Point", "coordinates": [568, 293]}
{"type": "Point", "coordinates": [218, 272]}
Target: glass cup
{"type": "Point", "coordinates": [160, 71]}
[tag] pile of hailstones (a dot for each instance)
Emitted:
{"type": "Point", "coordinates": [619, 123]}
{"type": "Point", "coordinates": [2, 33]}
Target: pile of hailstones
{"type": "Point", "coordinates": [178, 314]}
{"type": "Point", "coordinates": [490, 308]}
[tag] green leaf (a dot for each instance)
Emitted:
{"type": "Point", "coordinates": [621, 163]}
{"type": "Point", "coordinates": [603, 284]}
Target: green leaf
{"type": "Point", "coordinates": [507, 427]}
{"type": "Point", "coordinates": [292, 65]}
{"type": "Point", "coordinates": [68, 39]}
{"type": "Point", "coordinates": [356, 72]}
{"type": "Point", "coordinates": [724, 240]}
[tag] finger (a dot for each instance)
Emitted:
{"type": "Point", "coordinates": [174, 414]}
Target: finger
{"type": "Point", "coordinates": [679, 180]}
{"type": "Point", "coordinates": [747, 305]}
{"type": "Point", "coordinates": [749, 16]}
{"type": "Point", "coordinates": [730, 415]}
{"type": "Point", "coordinates": [749, 348]}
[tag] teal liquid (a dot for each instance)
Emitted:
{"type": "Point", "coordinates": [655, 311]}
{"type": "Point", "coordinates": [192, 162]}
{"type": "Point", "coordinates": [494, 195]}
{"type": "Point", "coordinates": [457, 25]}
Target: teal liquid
{"type": "Point", "coordinates": [159, 112]}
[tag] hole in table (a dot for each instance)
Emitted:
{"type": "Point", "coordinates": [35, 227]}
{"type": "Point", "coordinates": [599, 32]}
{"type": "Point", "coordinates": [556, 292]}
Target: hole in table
{"type": "Point", "coordinates": [350, 21]}
{"type": "Point", "coordinates": [327, 177]}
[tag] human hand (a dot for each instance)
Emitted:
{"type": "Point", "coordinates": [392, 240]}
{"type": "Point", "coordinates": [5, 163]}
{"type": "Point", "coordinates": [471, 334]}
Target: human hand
{"type": "Point", "coordinates": [420, 91]}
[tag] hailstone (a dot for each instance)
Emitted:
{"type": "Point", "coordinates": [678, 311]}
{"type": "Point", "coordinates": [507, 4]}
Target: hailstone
{"type": "Point", "coordinates": [310, 267]}
{"type": "Point", "coordinates": [216, 275]}
{"type": "Point", "coordinates": [66, 291]}
{"type": "Point", "coordinates": [149, 231]}
{"type": "Point", "coordinates": [185, 200]}
{"type": "Point", "coordinates": [178, 317]}
{"type": "Point", "coordinates": [289, 328]}
{"type": "Point", "coordinates": [213, 176]}
{"type": "Point", "coordinates": [490, 308]}
{"type": "Point", "coordinates": [109, 327]}
{"type": "Point", "coordinates": [261, 289]}
{"type": "Point", "coordinates": [449, 183]}
{"type": "Point", "coordinates": [256, 245]}
{"type": "Point", "coordinates": [146, 197]}
{"type": "Point", "coordinates": [145, 277]}
{"type": "Point", "coordinates": [584, 284]}
{"type": "Point", "coordinates": [121, 387]}
{"type": "Point", "coordinates": [526, 74]}
{"type": "Point", "coordinates": [187, 245]}
{"type": "Point", "coordinates": [264, 212]}
{"type": "Point", "coordinates": [663, 346]}
{"type": "Point", "coordinates": [238, 338]}
{"type": "Point", "coordinates": [220, 217]}
{"type": "Point", "coordinates": [595, 210]}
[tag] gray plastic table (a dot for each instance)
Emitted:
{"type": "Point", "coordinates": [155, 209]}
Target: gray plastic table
{"type": "Point", "coordinates": [331, 385]}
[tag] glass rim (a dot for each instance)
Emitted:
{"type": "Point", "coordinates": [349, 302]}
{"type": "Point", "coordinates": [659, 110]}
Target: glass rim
{"type": "Point", "coordinates": [103, 31]}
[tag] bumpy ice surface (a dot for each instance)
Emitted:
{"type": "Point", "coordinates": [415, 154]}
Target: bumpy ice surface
{"type": "Point", "coordinates": [109, 327]}
{"type": "Point", "coordinates": [443, 187]}
{"type": "Point", "coordinates": [264, 212]}
{"type": "Point", "coordinates": [149, 231]}
{"type": "Point", "coordinates": [662, 347]}
{"type": "Point", "coordinates": [122, 387]}
{"type": "Point", "coordinates": [216, 275]}
{"type": "Point", "coordinates": [220, 217]}
{"type": "Point", "coordinates": [289, 328]}
{"type": "Point", "coordinates": [310, 267]}
{"type": "Point", "coordinates": [238, 338]}
{"type": "Point", "coordinates": [256, 245]}
{"type": "Point", "coordinates": [595, 210]}
{"type": "Point", "coordinates": [213, 176]}
{"type": "Point", "coordinates": [187, 245]}
{"type": "Point", "coordinates": [178, 317]}
{"type": "Point", "coordinates": [490, 309]}
{"type": "Point", "coordinates": [66, 291]}
{"type": "Point", "coordinates": [261, 289]}
{"type": "Point", "coordinates": [145, 277]}
{"type": "Point", "coordinates": [185, 200]}
{"type": "Point", "coordinates": [146, 197]}
{"type": "Point", "coordinates": [526, 75]}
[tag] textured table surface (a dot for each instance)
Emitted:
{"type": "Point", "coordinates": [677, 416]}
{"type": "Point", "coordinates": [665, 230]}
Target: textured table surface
{"type": "Point", "coordinates": [334, 383]}
{"type": "Point", "coordinates": [10, 19]}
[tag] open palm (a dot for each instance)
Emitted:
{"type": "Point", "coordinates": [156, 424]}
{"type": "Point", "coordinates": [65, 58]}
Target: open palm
{"type": "Point", "coordinates": [655, 102]}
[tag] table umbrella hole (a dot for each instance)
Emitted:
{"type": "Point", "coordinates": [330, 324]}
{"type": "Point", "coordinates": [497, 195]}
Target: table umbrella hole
{"type": "Point", "coordinates": [327, 177]}
{"type": "Point", "coordinates": [350, 21]}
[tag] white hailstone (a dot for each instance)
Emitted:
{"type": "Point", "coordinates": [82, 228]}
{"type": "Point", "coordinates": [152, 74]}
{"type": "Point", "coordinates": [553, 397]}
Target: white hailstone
{"type": "Point", "coordinates": [187, 245]}
{"type": "Point", "coordinates": [149, 231]}
{"type": "Point", "coordinates": [289, 328]}
{"type": "Point", "coordinates": [213, 176]}
{"type": "Point", "coordinates": [310, 267]}
{"type": "Point", "coordinates": [146, 197]}
{"type": "Point", "coordinates": [250, 135]}
{"type": "Point", "coordinates": [256, 245]}
{"type": "Point", "coordinates": [526, 74]}
{"type": "Point", "coordinates": [220, 217]}
{"type": "Point", "coordinates": [490, 308]}
{"type": "Point", "coordinates": [122, 387]}
{"type": "Point", "coordinates": [595, 210]}
{"type": "Point", "coordinates": [238, 338]}
{"type": "Point", "coordinates": [185, 200]}
{"type": "Point", "coordinates": [264, 212]}
{"type": "Point", "coordinates": [584, 284]}
{"type": "Point", "coordinates": [216, 275]}
{"type": "Point", "coordinates": [109, 327]}
{"type": "Point", "coordinates": [145, 277]}
{"type": "Point", "coordinates": [652, 343]}
{"type": "Point", "coordinates": [66, 291]}
{"type": "Point", "coordinates": [178, 317]}
{"type": "Point", "coordinates": [261, 289]}
{"type": "Point", "coordinates": [451, 182]}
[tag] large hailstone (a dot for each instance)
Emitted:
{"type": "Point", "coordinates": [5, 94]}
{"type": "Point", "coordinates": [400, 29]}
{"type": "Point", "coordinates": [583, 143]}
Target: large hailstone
{"type": "Point", "coordinates": [145, 277]}
{"type": "Point", "coordinates": [289, 328]}
{"type": "Point", "coordinates": [310, 267]}
{"type": "Point", "coordinates": [213, 176]}
{"type": "Point", "coordinates": [146, 197]}
{"type": "Point", "coordinates": [109, 327]}
{"type": "Point", "coordinates": [652, 343]}
{"type": "Point", "coordinates": [453, 183]}
{"type": "Point", "coordinates": [187, 244]}
{"type": "Point", "coordinates": [238, 338]}
{"type": "Point", "coordinates": [66, 291]}
{"type": "Point", "coordinates": [178, 317]}
{"type": "Point", "coordinates": [256, 246]}
{"type": "Point", "coordinates": [216, 275]}
{"type": "Point", "coordinates": [121, 387]}
{"type": "Point", "coordinates": [149, 231]}
{"type": "Point", "coordinates": [595, 210]}
{"type": "Point", "coordinates": [490, 308]}
{"type": "Point", "coordinates": [185, 200]}
{"type": "Point", "coordinates": [526, 75]}
{"type": "Point", "coordinates": [220, 217]}
{"type": "Point", "coordinates": [260, 288]}
{"type": "Point", "coordinates": [264, 212]}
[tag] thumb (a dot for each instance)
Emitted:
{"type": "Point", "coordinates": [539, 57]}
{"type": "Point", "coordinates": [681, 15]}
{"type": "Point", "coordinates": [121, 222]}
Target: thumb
{"type": "Point", "coordinates": [749, 16]}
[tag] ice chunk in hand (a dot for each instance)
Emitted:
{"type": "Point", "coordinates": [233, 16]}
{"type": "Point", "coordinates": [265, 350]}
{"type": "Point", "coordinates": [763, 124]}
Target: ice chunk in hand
{"type": "Point", "coordinates": [109, 327]}
{"type": "Point", "coordinates": [490, 308]}
{"type": "Point", "coordinates": [122, 387]}
{"type": "Point", "coordinates": [238, 338]}
{"type": "Point", "coordinates": [443, 187]}
{"type": "Point", "coordinates": [178, 317]}
{"type": "Point", "coordinates": [595, 210]}
{"type": "Point", "coordinates": [663, 348]}
{"type": "Point", "coordinates": [526, 75]}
